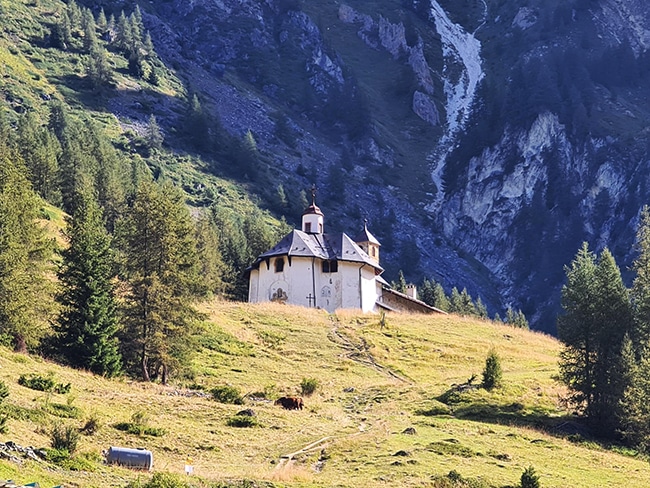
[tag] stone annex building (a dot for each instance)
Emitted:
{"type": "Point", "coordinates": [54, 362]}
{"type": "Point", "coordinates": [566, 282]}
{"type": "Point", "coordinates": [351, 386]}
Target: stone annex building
{"type": "Point", "coordinates": [330, 271]}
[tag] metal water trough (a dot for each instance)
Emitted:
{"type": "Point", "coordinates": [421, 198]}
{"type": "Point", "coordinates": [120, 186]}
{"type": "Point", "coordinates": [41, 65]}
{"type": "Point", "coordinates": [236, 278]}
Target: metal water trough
{"type": "Point", "coordinates": [130, 458]}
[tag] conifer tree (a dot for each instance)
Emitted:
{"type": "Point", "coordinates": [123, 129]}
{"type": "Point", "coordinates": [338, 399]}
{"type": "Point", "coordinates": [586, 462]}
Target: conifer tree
{"type": "Point", "coordinates": [401, 282]}
{"type": "Point", "coordinates": [160, 269]}
{"type": "Point", "coordinates": [425, 292]}
{"type": "Point", "coordinates": [99, 69]}
{"type": "Point", "coordinates": [89, 28]}
{"type": "Point", "coordinates": [440, 299]}
{"type": "Point", "coordinates": [576, 328]}
{"type": "Point", "coordinates": [641, 285]}
{"type": "Point", "coordinates": [211, 265]}
{"type": "Point", "coordinates": [597, 318]}
{"type": "Point", "coordinates": [455, 301]}
{"type": "Point", "coordinates": [123, 36]}
{"type": "Point", "coordinates": [39, 149]}
{"type": "Point", "coordinates": [87, 325]}
{"type": "Point", "coordinates": [466, 303]}
{"type": "Point", "coordinates": [153, 135]}
{"type": "Point", "coordinates": [481, 309]}
{"type": "Point", "coordinates": [102, 23]}
{"type": "Point", "coordinates": [25, 251]}
{"type": "Point", "coordinates": [614, 323]}
{"type": "Point", "coordinates": [635, 401]}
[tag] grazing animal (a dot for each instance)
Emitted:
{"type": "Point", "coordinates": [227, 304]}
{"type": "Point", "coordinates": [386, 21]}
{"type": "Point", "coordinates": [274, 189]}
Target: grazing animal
{"type": "Point", "coordinates": [290, 403]}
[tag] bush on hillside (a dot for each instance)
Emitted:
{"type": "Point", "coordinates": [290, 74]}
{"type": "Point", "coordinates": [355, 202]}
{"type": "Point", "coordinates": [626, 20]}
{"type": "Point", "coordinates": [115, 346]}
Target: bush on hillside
{"type": "Point", "coordinates": [308, 386]}
{"type": "Point", "coordinates": [227, 394]}
{"type": "Point", "coordinates": [43, 383]}
{"type": "Point", "coordinates": [492, 374]}
{"type": "Point", "coordinates": [529, 479]}
{"type": "Point", "coordinates": [64, 438]}
{"type": "Point", "coordinates": [161, 480]}
{"type": "Point", "coordinates": [242, 421]}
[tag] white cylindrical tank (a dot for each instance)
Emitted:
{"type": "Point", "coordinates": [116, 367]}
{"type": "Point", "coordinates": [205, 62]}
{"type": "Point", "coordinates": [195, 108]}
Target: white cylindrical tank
{"type": "Point", "coordinates": [130, 458]}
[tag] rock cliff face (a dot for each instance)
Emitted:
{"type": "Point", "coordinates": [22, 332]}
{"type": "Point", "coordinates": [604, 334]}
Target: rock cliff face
{"type": "Point", "coordinates": [484, 140]}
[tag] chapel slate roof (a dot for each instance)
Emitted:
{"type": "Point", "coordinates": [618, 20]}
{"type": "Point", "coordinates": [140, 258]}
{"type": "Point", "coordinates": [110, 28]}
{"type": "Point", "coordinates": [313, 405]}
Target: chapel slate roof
{"type": "Point", "coordinates": [366, 236]}
{"type": "Point", "coordinates": [323, 246]}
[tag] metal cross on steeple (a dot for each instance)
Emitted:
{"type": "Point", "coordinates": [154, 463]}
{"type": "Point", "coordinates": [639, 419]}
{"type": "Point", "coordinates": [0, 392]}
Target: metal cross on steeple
{"type": "Point", "coordinates": [313, 193]}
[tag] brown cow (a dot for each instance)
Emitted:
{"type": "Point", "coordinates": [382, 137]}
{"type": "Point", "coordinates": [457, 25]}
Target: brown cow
{"type": "Point", "coordinates": [290, 403]}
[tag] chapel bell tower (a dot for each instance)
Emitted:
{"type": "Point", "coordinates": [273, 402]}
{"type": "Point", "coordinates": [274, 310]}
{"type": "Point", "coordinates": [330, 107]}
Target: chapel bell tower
{"type": "Point", "coordinates": [312, 217]}
{"type": "Point", "coordinates": [369, 243]}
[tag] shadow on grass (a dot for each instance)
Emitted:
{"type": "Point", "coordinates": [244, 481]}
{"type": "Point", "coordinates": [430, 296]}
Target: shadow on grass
{"type": "Point", "coordinates": [473, 404]}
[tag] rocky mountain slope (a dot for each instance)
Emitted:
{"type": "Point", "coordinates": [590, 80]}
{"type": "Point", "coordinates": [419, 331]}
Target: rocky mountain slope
{"type": "Point", "coordinates": [484, 140]}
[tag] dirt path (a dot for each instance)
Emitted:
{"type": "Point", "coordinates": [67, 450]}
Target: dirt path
{"type": "Point", "coordinates": [360, 353]}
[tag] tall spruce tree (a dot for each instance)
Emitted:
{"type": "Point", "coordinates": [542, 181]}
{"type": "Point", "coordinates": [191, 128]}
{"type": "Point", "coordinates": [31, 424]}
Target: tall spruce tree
{"type": "Point", "coordinates": [440, 299]}
{"type": "Point", "coordinates": [576, 328]}
{"type": "Point", "coordinates": [597, 318]}
{"type": "Point", "coordinates": [87, 325]}
{"type": "Point", "coordinates": [641, 285]}
{"type": "Point", "coordinates": [160, 270]}
{"type": "Point", "coordinates": [25, 251]}
{"type": "Point", "coordinates": [614, 321]}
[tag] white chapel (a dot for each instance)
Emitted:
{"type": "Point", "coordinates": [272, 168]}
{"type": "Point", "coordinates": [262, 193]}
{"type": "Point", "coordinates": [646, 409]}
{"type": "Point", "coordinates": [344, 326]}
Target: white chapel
{"type": "Point", "coordinates": [311, 268]}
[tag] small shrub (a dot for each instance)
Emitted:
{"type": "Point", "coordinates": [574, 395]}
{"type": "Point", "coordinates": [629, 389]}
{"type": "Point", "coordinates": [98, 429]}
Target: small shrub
{"type": "Point", "coordinates": [308, 386]}
{"type": "Point", "coordinates": [36, 382]}
{"type": "Point", "coordinates": [227, 394]}
{"type": "Point", "coordinates": [57, 456]}
{"type": "Point", "coordinates": [3, 424]}
{"type": "Point", "coordinates": [492, 373]}
{"type": "Point", "coordinates": [91, 426]}
{"type": "Point", "coordinates": [529, 479]}
{"type": "Point", "coordinates": [43, 383]}
{"type": "Point", "coordinates": [242, 421]}
{"type": "Point", "coordinates": [64, 411]}
{"type": "Point", "coordinates": [4, 391]}
{"type": "Point", "coordinates": [64, 438]}
{"type": "Point", "coordinates": [139, 426]}
{"type": "Point", "coordinates": [161, 480]}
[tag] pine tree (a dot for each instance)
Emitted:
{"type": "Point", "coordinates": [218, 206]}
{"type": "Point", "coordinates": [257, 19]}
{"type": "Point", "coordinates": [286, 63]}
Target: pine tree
{"type": "Point", "coordinates": [123, 36]}
{"type": "Point", "coordinates": [576, 329]}
{"type": "Point", "coordinates": [641, 285]}
{"type": "Point", "coordinates": [89, 28]}
{"type": "Point", "coordinates": [466, 303]}
{"type": "Point", "coordinates": [481, 309]}
{"type": "Point", "coordinates": [160, 270]}
{"type": "Point", "coordinates": [401, 282]}
{"type": "Point", "coordinates": [455, 301]}
{"type": "Point", "coordinates": [635, 401]}
{"type": "Point", "coordinates": [87, 325]}
{"type": "Point", "coordinates": [153, 135]}
{"type": "Point", "coordinates": [597, 317]}
{"type": "Point", "coordinates": [197, 125]}
{"type": "Point", "coordinates": [25, 304]}
{"type": "Point", "coordinates": [613, 323]}
{"type": "Point", "coordinates": [425, 292]}
{"type": "Point", "coordinates": [492, 372]}
{"type": "Point", "coordinates": [39, 149]}
{"type": "Point", "coordinates": [102, 23]}
{"type": "Point", "coordinates": [440, 299]}
{"type": "Point", "coordinates": [98, 68]}
{"type": "Point", "coordinates": [212, 267]}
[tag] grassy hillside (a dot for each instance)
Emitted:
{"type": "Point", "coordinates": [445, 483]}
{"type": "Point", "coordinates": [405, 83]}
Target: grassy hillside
{"type": "Point", "coordinates": [374, 383]}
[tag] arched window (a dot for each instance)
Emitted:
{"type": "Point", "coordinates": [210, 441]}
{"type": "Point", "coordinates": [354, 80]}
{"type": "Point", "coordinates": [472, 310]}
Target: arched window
{"type": "Point", "coordinates": [279, 265]}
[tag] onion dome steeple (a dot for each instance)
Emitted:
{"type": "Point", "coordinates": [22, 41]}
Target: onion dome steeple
{"type": "Point", "coordinates": [312, 217]}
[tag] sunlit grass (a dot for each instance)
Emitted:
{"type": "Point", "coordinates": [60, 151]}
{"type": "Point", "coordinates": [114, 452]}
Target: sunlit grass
{"type": "Point", "coordinates": [373, 409]}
